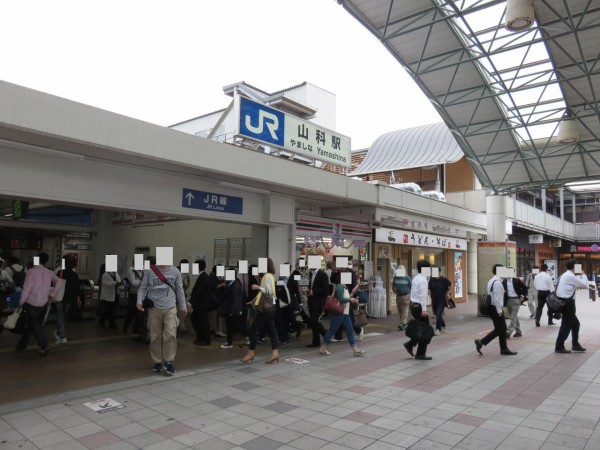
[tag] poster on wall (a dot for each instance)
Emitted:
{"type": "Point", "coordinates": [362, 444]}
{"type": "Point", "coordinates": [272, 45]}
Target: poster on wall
{"type": "Point", "coordinates": [552, 268]}
{"type": "Point", "coordinates": [384, 251]}
{"type": "Point", "coordinates": [458, 275]}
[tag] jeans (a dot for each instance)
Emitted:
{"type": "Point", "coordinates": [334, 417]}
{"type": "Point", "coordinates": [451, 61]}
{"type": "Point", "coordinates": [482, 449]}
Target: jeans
{"type": "Point", "coordinates": [438, 308]}
{"type": "Point", "coordinates": [338, 320]}
{"type": "Point", "coordinates": [33, 326]}
{"type": "Point", "coordinates": [62, 311]}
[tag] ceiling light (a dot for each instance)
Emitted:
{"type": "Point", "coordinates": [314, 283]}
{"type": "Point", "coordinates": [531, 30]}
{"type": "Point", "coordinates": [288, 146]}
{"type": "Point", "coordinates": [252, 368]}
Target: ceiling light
{"type": "Point", "coordinates": [519, 15]}
{"type": "Point", "coordinates": [568, 132]}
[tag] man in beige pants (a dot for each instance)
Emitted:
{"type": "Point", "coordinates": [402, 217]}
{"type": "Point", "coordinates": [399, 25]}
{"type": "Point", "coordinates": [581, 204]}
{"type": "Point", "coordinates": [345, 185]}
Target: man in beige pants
{"type": "Point", "coordinates": [162, 287]}
{"type": "Point", "coordinates": [402, 285]}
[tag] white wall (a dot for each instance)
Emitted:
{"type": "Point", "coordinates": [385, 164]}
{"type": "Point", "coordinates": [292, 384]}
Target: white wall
{"type": "Point", "coordinates": [189, 238]}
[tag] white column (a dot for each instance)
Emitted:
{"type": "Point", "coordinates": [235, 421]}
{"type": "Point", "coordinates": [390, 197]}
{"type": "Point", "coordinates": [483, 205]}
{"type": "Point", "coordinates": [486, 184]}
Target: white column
{"type": "Point", "coordinates": [562, 203]}
{"type": "Point", "coordinates": [472, 266]}
{"type": "Point", "coordinates": [496, 218]}
{"type": "Point", "coordinates": [543, 196]}
{"type": "Point", "coordinates": [279, 245]}
{"type": "Point", "coordinates": [574, 212]}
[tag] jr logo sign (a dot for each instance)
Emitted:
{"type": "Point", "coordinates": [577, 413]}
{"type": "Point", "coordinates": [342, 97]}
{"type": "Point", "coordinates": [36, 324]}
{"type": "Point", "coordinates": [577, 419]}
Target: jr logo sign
{"type": "Point", "coordinates": [262, 122]}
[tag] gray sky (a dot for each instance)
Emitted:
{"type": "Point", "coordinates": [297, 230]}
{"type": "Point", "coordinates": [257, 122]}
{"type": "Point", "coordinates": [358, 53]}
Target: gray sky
{"type": "Point", "coordinates": [167, 61]}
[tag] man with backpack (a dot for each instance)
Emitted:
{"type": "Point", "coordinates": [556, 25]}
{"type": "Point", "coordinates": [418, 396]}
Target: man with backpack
{"type": "Point", "coordinates": [402, 285]}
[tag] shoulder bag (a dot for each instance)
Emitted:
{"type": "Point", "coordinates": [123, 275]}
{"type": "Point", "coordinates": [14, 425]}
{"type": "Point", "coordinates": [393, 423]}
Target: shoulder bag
{"type": "Point", "coordinates": [333, 305]}
{"type": "Point", "coordinates": [554, 302]}
{"type": "Point", "coordinates": [263, 303]}
{"type": "Point", "coordinates": [484, 309]}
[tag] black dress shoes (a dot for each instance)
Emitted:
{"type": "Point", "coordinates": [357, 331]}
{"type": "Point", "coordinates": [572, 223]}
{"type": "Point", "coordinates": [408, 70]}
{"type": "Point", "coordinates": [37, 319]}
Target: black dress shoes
{"type": "Point", "coordinates": [562, 350]}
{"type": "Point", "coordinates": [507, 352]}
{"type": "Point", "coordinates": [550, 322]}
{"type": "Point", "coordinates": [423, 357]}
{"type": "Point", "coordinates": [478, 346]}
{"type": "Point", "coordinates": [409, 348]}
{"type": "Point", "coordinates": [578, 348]}
{"type": "Point", "coordinates": [537, 323]}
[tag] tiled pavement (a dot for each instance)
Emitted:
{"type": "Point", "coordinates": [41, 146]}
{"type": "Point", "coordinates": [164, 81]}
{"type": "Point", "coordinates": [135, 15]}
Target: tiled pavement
{"type": "Point", "coordinates": [386, 400]}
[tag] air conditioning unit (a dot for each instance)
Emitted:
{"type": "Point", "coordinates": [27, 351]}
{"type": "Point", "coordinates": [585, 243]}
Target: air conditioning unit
{"type": "Point", "coordinates": [554, 242]}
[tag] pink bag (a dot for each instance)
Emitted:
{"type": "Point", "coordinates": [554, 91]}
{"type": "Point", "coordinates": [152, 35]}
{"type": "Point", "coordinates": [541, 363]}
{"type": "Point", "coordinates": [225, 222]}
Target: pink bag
{"type": "Point", "coordinates": [333, 305]}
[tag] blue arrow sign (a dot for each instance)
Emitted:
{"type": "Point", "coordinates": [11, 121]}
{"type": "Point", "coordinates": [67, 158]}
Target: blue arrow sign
{"type": "Point", "coordinates": [211, 201]}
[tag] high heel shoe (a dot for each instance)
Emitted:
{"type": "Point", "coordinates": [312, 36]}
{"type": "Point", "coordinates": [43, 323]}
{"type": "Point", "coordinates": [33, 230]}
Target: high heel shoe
{"type": "Point", "coordinates": [273, 359]}
{"type": "Point", "coordinates": [247, 359]}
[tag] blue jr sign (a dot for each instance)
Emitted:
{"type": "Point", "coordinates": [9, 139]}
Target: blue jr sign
{"type": "Point", "coordinates": [210, 201]}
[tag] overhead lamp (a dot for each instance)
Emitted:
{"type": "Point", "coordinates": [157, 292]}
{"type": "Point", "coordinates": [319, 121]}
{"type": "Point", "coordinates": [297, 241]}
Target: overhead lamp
{"type": "Point", "coordinates": [519, 15]}
{"type": "Point", "coordinates": [568, 132]}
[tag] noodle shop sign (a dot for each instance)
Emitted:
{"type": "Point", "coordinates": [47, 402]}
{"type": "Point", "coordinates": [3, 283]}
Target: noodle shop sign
{"type": "Point", "coordinates": [404, 237]}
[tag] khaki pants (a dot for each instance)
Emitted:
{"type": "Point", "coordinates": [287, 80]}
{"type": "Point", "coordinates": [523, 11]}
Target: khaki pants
{"type": "Point", "coordinates": [163, 334]}
{"type": "Point", "coordinates": [403, 305]}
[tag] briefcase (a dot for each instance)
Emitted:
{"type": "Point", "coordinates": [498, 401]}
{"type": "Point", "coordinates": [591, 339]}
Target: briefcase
{"type": "Point", "coordinates": [419, 331]}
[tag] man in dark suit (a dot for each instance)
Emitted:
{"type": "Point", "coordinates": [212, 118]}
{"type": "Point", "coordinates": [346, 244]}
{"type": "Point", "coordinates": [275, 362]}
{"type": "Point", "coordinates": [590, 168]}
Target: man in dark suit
{"type": "Point", "coordinates": [318, 290]}
{"type": "Point", "coordinates": [200, 301]}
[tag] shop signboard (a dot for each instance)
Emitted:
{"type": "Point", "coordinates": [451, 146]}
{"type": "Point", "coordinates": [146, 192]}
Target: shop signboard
{"type": "Point", "coordinates": [275, 128]}
{"type": "Point", "coordinates": [417, 239]}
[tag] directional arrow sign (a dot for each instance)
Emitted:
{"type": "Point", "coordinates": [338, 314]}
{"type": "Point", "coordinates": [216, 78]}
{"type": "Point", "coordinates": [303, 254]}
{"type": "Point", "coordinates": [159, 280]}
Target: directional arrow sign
{"type": "Point", "coordinates": [212, 201]}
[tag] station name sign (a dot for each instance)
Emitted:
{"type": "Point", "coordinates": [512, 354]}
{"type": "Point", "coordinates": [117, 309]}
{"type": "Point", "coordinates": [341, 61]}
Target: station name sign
{"type": "Point", "coordinates": [275, 128]}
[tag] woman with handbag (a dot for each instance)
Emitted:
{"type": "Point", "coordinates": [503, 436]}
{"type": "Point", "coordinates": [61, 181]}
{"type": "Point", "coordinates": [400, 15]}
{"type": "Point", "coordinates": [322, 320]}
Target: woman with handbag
{"type": "Point", "coordinates": [338, 320]}
{"type": "Point", "coordinates": [264, 317]}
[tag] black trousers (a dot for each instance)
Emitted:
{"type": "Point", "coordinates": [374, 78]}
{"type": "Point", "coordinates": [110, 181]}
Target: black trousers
{"type": "Point", "coordinates": [261, 321]}
{"type": "Point", "coordinates": [201, 324]}
{"type": "Point", "coordinates": [108, 313]}
{"type": "Point", "coordinates": [540, 307]}
{"type": "Point", "coordinates": [233, 323]}
{"type": "Point", "coordinates": [132, 314]}
{"type": "Point", "coordinates": [499, 330]}
{"type": "Point", "coordinates": [569, 324]}
{"type": "Point", "coordinates": [33, 326]}
{"type": "Point", "coordinates": [315, 309]}
{"type": "Point", "coordinates": [416, 312]}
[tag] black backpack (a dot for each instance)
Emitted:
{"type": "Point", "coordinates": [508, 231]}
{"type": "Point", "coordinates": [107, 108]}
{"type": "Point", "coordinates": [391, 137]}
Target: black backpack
{"type": "Point", "coordinates": [18, 277]}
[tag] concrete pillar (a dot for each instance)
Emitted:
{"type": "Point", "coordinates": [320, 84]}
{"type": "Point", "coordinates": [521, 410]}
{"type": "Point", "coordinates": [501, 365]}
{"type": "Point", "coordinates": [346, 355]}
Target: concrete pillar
{"type": "Point", "coordinates": [496, 218]}
{"type": "Point", "coordinates": [543, 198]}
{"type": "Point", "coordinates": [279, 245]}
{"type": "Point", "coordinates": [472, 266]}
{"type": "Point", "coordinates": [574, 211]}
{"type": "Point", "coordinates": [561, 192]}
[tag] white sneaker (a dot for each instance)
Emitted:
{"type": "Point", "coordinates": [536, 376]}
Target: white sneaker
{"type": "Point", "coordinates": [226, 345]}
{"type": "Point", "coordinates": [61, 341]}
{"type": "Point", "coordinates": [361, 335]}
{"type": "Point", "coordinates": [220, 334]}
{"type": "Point", "coordinates": [337, 340]}
{"type": "Point", "coordinates": [437, 332]}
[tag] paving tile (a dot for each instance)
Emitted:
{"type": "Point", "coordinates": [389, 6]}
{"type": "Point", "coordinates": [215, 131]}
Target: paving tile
{"type": "Point", "coordinates": [307, 443]}
{"type": "Point", "coordinates": [97, 440]}
{"type": "Point", "coordinates": [281, 407]}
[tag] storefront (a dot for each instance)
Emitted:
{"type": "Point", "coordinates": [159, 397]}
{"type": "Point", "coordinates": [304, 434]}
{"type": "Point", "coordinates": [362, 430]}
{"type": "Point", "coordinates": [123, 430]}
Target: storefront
{"type": "Point", "coordinates": [394, 247]}
{"type": "Point", "coordinates": [587, 254]}
{"type": "Point", "coordinates": [330, 238]}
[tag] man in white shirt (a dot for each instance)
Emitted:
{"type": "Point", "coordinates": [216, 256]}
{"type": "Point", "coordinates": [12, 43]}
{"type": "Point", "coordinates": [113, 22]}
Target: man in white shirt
{"type": "Point", "coordinates": [418, 298]}
{"type": "Point", "coordinates": [544, 285]}
{"type": "Point", "coordinates": [567, 285]}
{"type": "Point", "coordinates": [495, 288]}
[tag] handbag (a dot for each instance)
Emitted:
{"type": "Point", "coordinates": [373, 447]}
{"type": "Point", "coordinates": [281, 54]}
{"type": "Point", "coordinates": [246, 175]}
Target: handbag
{"type": "Point", "coordinates": [554, 302]}
{"type": "Point", "coordinates": [16, 321]}
{"type": "Point", "coordinates": [450, 303]}
{"type": "Point", "coordinates": [333, 305]}
{"type": "Point", "coordinates": [360, 316]}
{"type": "Point", "coordinates": [419, 331]}
{"type": "Point", "coordinates": [484, 308]}
{"type": "Point", "coordinates": [263, 303]}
